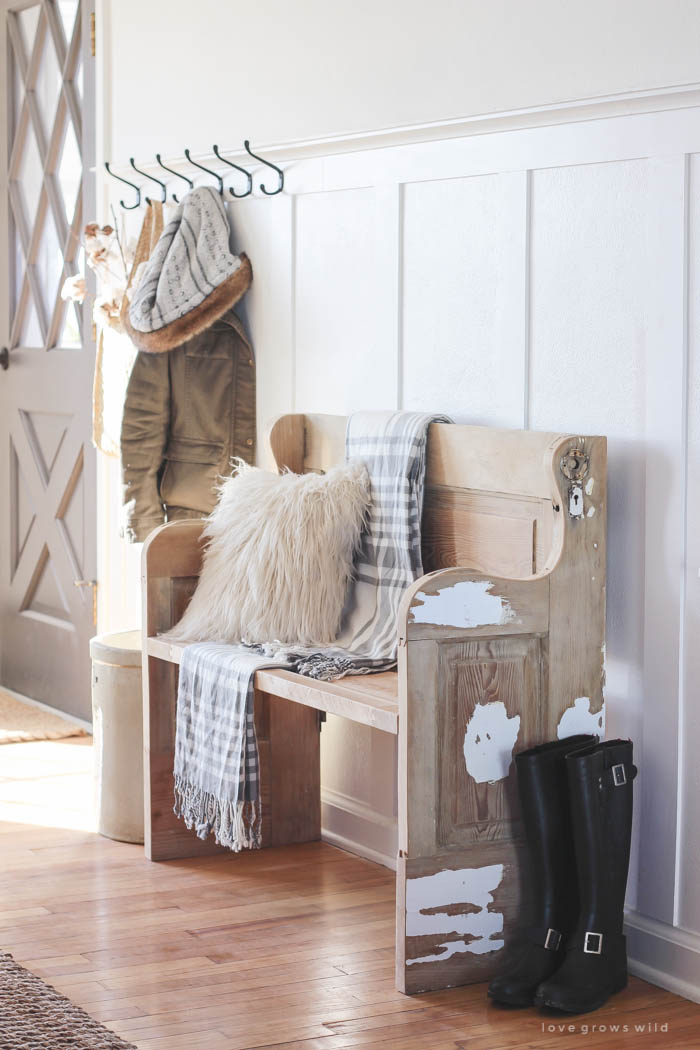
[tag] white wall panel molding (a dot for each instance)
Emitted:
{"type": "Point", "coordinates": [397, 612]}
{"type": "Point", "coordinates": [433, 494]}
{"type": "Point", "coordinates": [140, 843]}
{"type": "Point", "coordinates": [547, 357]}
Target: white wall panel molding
{"type": "Point", "coordinates": [665, 368]}
{"type": "Point", "coordinates": [605, 140]}
{"type": "Point", "coordinates": [688, 835]}
{"type": "Point", "coordinates": [265, 228]}
{"type": "Point", "coordinates": [465, 288]}
{"type": "Point", "coordinates": [664, 955]}
{"type": "Point", "coordinates": [622, 105]}
{"type": "Point", "coordinates": [542, 282]}
{"type": "Point", "coordinates": [346, 335]}
{"type": "Point", "coordinates": [527, 302]}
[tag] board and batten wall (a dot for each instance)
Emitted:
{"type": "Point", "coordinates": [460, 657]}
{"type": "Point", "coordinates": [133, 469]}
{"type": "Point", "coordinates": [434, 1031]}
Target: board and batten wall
{"type": "Point", "coordinates": [539, 272]}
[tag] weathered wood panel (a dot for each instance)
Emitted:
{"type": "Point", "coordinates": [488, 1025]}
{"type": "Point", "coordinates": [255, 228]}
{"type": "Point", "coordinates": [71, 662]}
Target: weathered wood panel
{"type": "Point", "coordinates": [494, 693]}
{"type": "Point", "coordinates": [453, 911]}
{"type": "Point", "coordinates": [488, 532]}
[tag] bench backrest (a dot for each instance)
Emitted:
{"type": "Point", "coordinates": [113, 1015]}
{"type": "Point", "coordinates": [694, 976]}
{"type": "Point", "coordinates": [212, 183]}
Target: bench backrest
{"type": "Point", "coordinates": [489, 499]}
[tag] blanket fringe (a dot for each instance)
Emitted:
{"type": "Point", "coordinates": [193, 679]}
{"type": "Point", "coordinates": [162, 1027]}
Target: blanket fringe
{"type": "Point", "coordinates": [235, 825]}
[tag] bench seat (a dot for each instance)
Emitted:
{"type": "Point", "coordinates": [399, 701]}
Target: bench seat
{"type": "Point", "coordinates": [371, 699]}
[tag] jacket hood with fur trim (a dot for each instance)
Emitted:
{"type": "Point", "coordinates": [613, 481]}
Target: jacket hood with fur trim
{"type": "Point", "coordinates": [191, 279]}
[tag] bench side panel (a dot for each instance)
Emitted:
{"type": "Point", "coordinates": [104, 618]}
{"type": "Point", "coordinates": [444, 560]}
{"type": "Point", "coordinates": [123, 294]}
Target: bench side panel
{"type": "Point", "coordinates": [489, 666]}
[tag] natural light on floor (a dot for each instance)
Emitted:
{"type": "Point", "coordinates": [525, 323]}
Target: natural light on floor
{"type": "Point", "coordinates": [48, 783]}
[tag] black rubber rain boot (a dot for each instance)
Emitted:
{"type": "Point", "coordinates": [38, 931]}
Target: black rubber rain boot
{"type": "Point", "coordinates": [600, 790]}
{"type": "Point", "coordinates": [544, 803]}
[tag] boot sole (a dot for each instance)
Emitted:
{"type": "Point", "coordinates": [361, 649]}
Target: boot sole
{"type": "Point", "coordinates": [541, 1000]}
{"type": "Point", "coordinates": [504, 1001]}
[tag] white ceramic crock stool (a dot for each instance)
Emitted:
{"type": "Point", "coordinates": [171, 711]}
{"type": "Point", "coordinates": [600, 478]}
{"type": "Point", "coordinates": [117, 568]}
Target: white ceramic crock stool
{"type": "Point", "coordinates": [117, 721]}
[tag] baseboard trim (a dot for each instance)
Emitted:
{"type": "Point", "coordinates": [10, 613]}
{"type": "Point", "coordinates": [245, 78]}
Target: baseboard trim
{"type": "Point", "coordinates": [665, 955]}
{"type": "Point", "coordinates": [333, 838]}
{"type": "Point", "coordinates": [87, 726]}
{"type": "Point", "coordinates": [623, 104]}
{"type": "Point", "coordinates": [352, 825]}
{"type": "Point", "coordinates": [358, 808]}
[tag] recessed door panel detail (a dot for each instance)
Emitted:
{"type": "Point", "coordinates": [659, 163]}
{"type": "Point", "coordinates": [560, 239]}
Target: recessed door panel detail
{"type": "Point", "coordinates": [493, 690]}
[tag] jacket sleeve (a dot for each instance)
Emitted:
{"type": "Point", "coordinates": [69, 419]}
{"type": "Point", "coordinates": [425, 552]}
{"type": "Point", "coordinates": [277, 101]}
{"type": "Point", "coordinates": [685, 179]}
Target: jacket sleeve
{"type": "Point", "coordinates": [144, 437]}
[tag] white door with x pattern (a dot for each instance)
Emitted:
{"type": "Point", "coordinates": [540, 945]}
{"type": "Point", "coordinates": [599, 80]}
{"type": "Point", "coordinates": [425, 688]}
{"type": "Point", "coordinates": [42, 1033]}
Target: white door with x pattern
{"type": "Point", "coordinates": [47, 463]}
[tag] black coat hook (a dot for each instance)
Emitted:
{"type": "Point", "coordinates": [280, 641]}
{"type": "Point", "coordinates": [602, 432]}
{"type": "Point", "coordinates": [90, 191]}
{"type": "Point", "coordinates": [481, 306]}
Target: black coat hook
{"type": "Point", "coordinates": [163, 187]}
{"type": "Point", "coordinates": [247, 174]}
{"type": "Point", "coordinates": [270, 193]}
{"type": "Point", "coordinates": [176, 174]}
{"type": "Point", "coordinates": [214, 174]}
{"type": "Point", "coordinates": [127, 207]}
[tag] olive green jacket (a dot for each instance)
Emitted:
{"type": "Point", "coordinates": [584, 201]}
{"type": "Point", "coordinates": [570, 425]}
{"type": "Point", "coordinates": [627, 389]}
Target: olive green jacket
{"type": "Point", "coordinates": [187, 413]}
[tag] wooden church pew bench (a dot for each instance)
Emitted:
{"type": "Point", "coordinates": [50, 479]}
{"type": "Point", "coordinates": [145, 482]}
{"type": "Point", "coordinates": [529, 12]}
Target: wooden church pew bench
{"type": "Point", "coordinates": [501, 646]}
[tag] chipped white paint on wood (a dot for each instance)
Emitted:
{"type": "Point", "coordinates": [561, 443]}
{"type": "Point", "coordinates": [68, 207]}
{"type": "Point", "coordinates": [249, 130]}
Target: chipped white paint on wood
{"type": "Point", "coordinates": [590, 484]}
{"type": "Point", "coordinates": [578, 718]}
{"type": "Point", "coordinates": [428, 895]}
{"type": "Point", "coordinates": [489, 742]}
{"type": "Point", "coordinates": [468, 603]}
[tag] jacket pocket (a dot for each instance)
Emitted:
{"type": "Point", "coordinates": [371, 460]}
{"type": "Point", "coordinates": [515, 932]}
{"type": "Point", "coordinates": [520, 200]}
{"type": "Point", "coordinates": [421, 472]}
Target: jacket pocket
{"type": "Point", "coordinates": [209, 375]}
{"type": "Point", "coordinates": [191, 474]}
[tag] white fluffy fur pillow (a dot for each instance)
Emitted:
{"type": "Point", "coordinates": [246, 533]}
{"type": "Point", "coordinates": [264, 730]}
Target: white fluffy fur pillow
{"type": "Point", "coordinates": [279, 557]}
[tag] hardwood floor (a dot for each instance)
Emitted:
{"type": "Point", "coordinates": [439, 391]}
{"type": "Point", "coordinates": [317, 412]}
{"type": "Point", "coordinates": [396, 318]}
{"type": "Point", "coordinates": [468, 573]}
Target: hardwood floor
{"type": "Point", "coordinates": [288, 948]}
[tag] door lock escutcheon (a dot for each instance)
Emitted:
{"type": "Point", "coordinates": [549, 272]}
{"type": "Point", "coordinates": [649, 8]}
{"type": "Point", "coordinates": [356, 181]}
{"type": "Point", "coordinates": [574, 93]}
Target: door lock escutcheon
{"type": "Point", "coordinates": [574, 466]}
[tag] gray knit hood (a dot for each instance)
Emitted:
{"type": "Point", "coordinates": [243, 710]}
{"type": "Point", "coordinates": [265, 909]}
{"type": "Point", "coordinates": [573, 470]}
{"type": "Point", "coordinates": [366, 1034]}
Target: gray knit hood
{"type": "Point", "coordinates": [191, 279]}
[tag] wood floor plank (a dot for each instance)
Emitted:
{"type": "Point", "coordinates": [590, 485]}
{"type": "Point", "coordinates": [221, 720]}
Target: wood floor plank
{"type": "Point", "coordinates": [287, 949]}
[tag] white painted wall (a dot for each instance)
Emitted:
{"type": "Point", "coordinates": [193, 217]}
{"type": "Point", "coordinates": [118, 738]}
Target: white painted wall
{"type": "Point", "coordinates": [191, 75]}
{"type": "Point", "coordinates": [543, 277]}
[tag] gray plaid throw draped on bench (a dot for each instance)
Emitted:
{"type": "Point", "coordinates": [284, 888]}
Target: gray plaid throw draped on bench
{"type": "Point", "coordinates": [216, 755]}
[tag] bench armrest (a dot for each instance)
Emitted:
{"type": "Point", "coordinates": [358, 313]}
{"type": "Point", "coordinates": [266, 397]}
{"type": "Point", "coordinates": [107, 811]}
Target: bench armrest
{"type": "Point", "coordinates": [170, 566]}
{"type": "Point", "coordinates": [453, 603]}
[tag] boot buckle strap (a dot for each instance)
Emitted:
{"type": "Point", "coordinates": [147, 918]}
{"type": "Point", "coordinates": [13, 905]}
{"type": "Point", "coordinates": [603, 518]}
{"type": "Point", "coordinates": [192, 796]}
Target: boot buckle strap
{"type": "Point", "coordinates": [552, 940]}
{"type": "Point", "coordinates": [619, 775]}
{"type": "Point", "coordinates": [594, 948]}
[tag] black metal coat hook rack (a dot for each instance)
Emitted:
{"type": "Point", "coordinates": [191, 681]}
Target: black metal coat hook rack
{"type": "Point", "coordinates": [176, 174]}
{"type": "Point", "coordinates": [269, 164]}
{"type": "Point", "coordinates": [126, 207]}
{"type": "Point", "coordinates": [214, 174]}
{"type": "Point", "coordinates": [163, 187]}
{"type": "Point", "coordinates": [249, 188]}
{"type": "Point", "coordinates": [201, 167]}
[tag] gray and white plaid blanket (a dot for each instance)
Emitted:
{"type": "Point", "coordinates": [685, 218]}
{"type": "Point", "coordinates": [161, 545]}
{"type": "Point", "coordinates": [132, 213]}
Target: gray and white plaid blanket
{"type": "Point", "coordinates": [217, 780]}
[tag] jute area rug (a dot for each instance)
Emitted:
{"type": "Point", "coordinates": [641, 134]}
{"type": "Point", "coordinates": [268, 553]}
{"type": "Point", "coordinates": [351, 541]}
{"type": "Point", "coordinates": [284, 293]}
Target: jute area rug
{"type": "Point", "coordinates": [20, 722]}
{"type": "Point", "coordinates": [33, 1016]}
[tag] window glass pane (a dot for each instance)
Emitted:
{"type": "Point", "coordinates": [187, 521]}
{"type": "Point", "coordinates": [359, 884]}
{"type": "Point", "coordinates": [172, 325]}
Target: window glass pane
{"type": "Point", "coordinates": [30, 335]}
{"type": "Point", "coordinates": [67, 10]}
{"type": "Point", "coordinates": [78, 78]}
{"type": "Point", "coordinates": [48, 84]}
{"type": "Point", "coordinates": [28, 19]}
{"type": "Point", "coordinates": [17, 97]}
{"type": "Point", "coordinates": [16, 258]}
{"type": "Point", "coordinates": [70, 335]}
{"type": "Point", "coordinates": [49, 264]}
{"type": "Point", "coordinates": [30, 176]}
{"type": "Point", "coordinates": [69, 171]}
